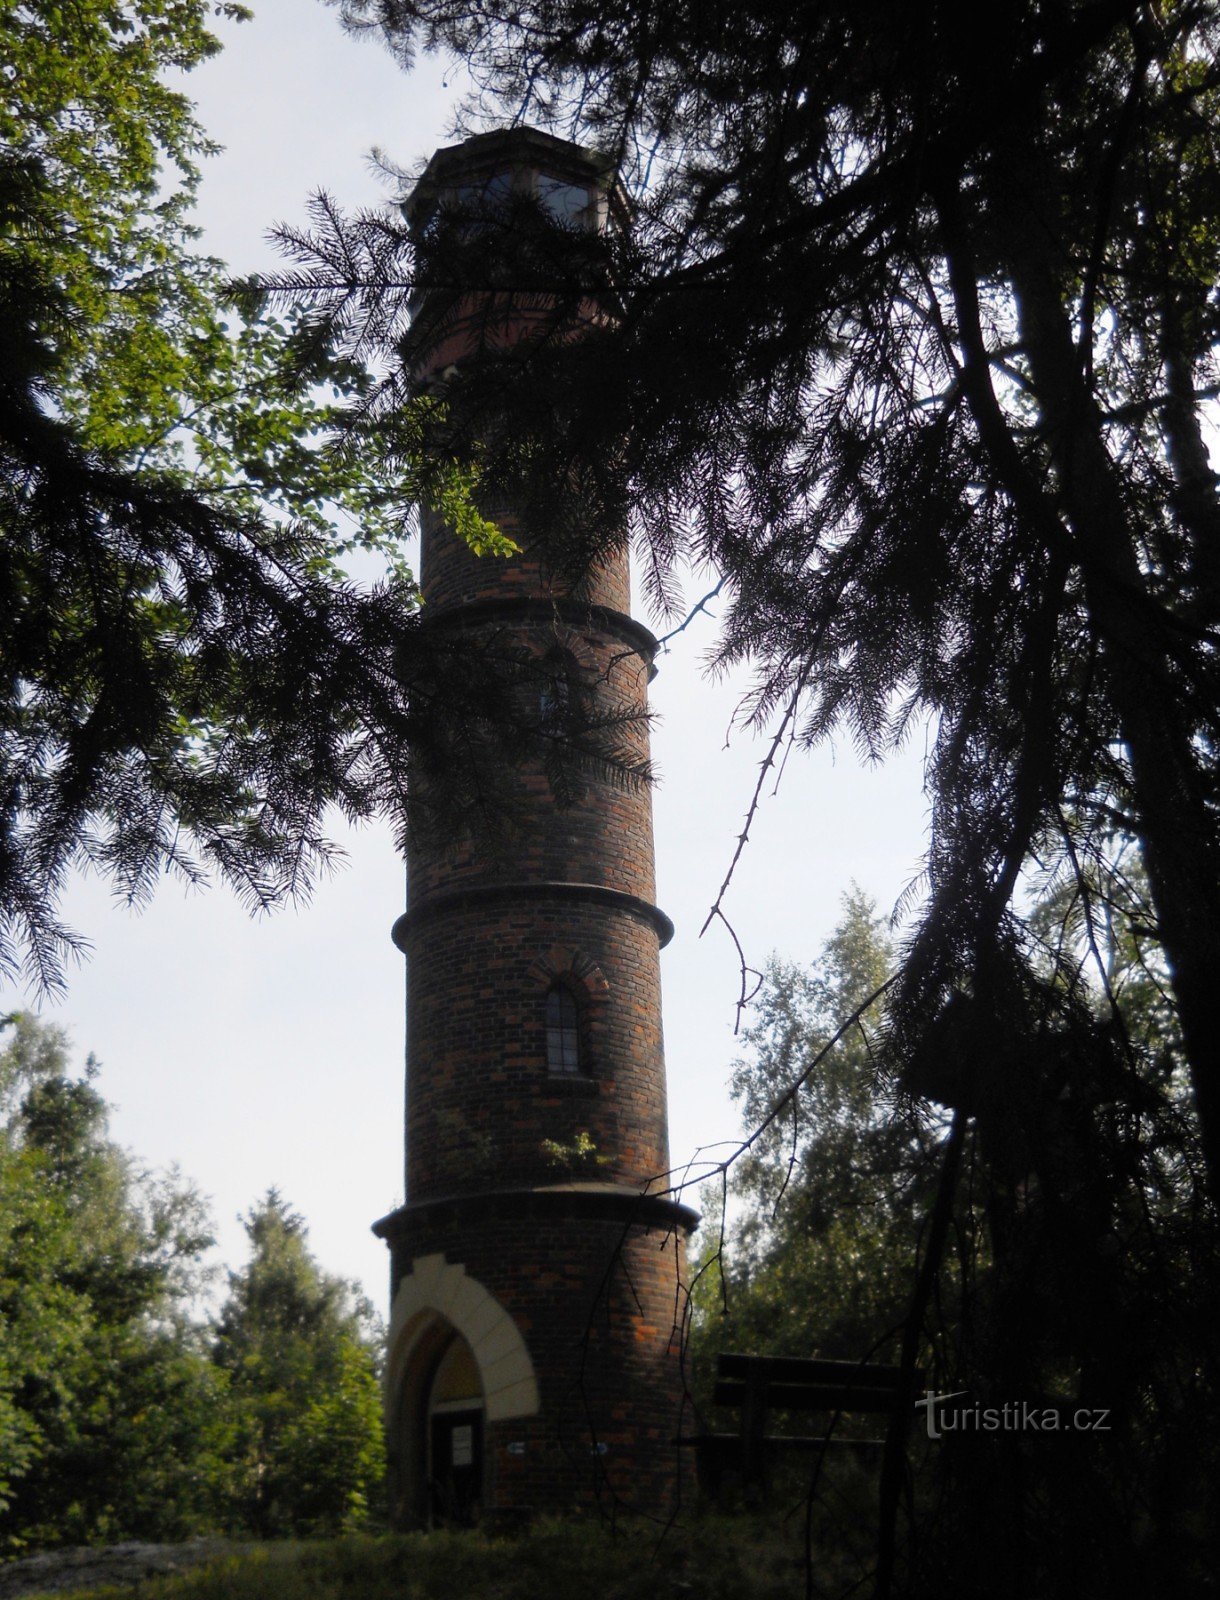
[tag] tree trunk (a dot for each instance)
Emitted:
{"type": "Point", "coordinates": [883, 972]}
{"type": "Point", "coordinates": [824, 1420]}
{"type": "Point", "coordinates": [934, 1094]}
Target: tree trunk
{"type": "Point", "coordinates": [1149, 672]}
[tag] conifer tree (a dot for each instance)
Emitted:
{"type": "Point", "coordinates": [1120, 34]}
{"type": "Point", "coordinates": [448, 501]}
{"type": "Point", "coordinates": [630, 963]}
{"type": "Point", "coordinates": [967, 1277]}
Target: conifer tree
{"type": "Point", "coordinates": [914, 336]}
{"type": "Point", "coordinates": [300, 1350]}
{"type": "Point", "coordinates": [123, 1413]}
{"type": "Point", "coordinates": [189, 679]}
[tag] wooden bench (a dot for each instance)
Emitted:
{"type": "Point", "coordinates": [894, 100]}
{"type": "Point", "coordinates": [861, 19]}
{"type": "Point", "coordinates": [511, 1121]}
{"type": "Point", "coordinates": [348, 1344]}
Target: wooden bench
{"type": "Point", "coordinates": [756, 1386]}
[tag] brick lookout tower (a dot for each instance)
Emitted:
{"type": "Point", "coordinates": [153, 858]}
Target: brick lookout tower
{"type": "Point", "coordinates": [535, 1281]}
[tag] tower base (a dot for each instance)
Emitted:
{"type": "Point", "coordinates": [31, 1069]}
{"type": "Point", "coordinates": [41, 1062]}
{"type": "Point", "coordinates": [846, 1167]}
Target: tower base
{"type": "Point", "coordinates": [534, 1359]}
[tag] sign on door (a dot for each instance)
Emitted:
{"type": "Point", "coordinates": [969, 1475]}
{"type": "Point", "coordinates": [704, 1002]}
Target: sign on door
{"type": "Point", "coordinates": [463, 1445]}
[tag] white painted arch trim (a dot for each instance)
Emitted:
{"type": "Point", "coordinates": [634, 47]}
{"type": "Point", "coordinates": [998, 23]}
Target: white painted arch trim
{"type": "Point", "coordinates": [437, 1288]}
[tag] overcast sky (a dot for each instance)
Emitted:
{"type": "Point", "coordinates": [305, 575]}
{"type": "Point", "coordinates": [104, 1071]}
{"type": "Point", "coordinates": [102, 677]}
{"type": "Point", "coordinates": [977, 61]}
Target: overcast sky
{"type": "Point", "coordinates": [270, 1052]}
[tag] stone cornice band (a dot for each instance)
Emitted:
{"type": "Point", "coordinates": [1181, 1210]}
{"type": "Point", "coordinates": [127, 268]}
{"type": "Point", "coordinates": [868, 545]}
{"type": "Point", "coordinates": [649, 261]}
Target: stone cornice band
{"type": "Point", "coordinates": [511, 609]}
{"type": "Point", "coordinates": [606, 1203]}
{"type": "Point", "coordinates": [531, 889]}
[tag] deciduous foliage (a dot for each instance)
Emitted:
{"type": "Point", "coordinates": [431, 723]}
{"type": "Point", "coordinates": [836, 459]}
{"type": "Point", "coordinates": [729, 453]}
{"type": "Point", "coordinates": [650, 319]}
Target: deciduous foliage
{"type": "Point", "coordinates": [947, 439]}
{"type": "Point", "coordinates": [827, 1204]}
{"type": "Point", "coordinates": [112, 1421]}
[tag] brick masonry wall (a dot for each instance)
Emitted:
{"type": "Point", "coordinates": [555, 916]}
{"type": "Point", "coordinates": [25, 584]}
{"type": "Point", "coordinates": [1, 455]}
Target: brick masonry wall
{"type": "Point", "coordinates": [605, 837]}
{"type": "Point", "coordinates": [451, 574]}
{"type": "Point", "coordinates": [482, 1107]}
{"type": "Point", "coordinates": [480, 1099]}
{"type": "Point", "coordinates": [600, 1307]}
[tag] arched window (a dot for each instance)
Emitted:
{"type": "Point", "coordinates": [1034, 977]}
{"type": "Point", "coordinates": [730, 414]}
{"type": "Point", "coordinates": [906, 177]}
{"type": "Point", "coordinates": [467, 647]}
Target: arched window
{"type": "Point", "coordinates": [562, 1030]}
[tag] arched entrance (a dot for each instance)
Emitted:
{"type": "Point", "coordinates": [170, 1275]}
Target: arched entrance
{"type": "Point", "coordinates": [455, 1438]}
{"type": "Point", "coordinates": [456, 1362]}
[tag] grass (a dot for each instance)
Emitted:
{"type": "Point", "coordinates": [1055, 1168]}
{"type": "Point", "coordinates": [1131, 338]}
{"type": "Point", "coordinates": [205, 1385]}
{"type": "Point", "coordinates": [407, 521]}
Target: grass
{"type": "Point", "coordinates": [713, 1558]}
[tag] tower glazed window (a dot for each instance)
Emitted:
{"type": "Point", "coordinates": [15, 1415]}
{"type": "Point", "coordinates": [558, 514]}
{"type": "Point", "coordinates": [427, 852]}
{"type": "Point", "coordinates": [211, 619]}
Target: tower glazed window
{"type": "Point", "coordinates": [568, 203]}
{"type": "Point", "coordinates": [562, 1030]}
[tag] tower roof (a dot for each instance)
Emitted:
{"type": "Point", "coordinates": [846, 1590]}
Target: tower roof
{"type": "Point", "coordinates": [514, 150]}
